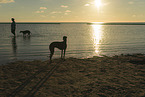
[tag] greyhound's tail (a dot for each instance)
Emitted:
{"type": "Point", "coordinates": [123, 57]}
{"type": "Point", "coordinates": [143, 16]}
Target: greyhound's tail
{"type": "Point", "coordinates": [51, 48]}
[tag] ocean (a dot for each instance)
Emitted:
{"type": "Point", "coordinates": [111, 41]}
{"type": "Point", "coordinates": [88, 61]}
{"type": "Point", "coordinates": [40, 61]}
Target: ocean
{"type": "Point", "coordinates": [83, 40]}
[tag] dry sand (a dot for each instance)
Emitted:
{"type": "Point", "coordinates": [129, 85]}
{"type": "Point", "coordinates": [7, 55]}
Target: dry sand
{"type": "Point", "coordinates": [118, 76]}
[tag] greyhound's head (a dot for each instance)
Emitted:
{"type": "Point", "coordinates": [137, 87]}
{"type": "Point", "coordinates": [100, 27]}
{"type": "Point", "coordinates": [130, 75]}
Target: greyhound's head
{"type": "Point", "coordinates": [21, 31]}
{"type": "Point", "coordinates": [64, 38]}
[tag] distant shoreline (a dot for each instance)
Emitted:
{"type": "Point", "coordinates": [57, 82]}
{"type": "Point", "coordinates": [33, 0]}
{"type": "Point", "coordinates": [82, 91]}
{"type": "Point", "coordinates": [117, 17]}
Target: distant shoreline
{"type": "Point", "coordinates": [88, 23]}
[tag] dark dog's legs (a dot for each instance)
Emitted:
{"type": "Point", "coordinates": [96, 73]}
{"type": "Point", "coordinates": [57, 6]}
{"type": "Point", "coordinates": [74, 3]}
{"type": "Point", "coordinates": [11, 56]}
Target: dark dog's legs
{"type": "Point", "coordinates": [24, 35]}
{"type": "Point", "coordinates": [61, 53]}
{"type": "Point", "coordinates": [29, 34]}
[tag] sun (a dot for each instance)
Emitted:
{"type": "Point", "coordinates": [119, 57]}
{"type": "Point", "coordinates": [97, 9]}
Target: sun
{"type": "Point", "coordinates": [98, 3]}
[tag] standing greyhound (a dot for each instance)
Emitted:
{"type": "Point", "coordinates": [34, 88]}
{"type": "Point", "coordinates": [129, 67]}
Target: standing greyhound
{"type": "Point", "coordinates": [60, 45]}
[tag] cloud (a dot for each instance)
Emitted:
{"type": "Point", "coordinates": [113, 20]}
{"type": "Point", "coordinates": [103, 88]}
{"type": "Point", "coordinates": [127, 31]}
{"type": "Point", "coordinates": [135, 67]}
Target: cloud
{"type": "Point", "coordinates": [67, 11]}
{"type": "Point", "coordinates": [6, 1]}
{"type": "Point", "coordinates": [87, 5]}
{"type": "Point", "coordinates": [39, 11]}
{"type": "Point", "coordinates": [43, 8]}
{"type": "Point", "coordinates": [93, 3]}
{"type": "Point", "coordinates": [63, 6]}
{"type": "Point", "coordinates": [55, 12]}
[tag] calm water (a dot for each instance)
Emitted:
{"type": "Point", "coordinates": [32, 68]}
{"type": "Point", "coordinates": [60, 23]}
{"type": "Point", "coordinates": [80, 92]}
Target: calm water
{"type": "Point", "coordinates": [83, 40]}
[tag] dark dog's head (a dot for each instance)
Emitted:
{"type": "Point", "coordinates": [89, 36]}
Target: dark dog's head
{"type": "Point", "coordinates": [21, 31]}
{"type": "Point", "coordinates": [64, 38]}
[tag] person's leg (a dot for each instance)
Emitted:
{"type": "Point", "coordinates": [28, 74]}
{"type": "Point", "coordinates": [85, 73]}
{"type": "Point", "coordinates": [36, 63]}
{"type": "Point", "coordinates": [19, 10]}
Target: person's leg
{"type": "Point", "coordinates": [13, 31]}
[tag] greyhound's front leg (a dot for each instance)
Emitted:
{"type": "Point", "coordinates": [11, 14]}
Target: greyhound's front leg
{"type": "Point", "coordinates": [61, 53]}
{"type": "Point", "coordinates": [64, 54]}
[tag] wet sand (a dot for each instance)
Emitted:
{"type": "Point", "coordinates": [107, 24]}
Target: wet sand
{"type": "Point", "coordinates": [105, 76]}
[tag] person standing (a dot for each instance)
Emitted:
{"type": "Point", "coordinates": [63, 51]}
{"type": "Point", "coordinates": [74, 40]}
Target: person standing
{"type": "Point", "coordinates": [13, 26]}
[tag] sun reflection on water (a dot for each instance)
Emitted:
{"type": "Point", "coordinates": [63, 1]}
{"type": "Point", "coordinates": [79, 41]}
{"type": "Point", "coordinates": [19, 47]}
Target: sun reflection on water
{"type": "Point", "coordinates": [97, 36]}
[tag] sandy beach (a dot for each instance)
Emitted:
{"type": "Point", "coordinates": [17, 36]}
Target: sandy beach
{"type": "Point", "coordinates": [117, 76]}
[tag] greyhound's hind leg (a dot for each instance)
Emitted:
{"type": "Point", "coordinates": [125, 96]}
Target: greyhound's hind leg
{"type": "Point", "coordinates": [51, 53]}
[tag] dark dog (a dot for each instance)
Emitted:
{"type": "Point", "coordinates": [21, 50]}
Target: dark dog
{"type": "Point", "coordinates": [25, 32]}
{"type": "Point", "coordinates": [60, 45]}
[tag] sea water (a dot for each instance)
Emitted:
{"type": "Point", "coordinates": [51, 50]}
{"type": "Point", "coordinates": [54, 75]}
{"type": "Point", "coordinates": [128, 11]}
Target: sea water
{"type": "Point", "coordinates": [83, 40]}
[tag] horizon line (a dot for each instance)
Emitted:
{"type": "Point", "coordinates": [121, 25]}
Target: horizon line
{"type": "Point", "coordinates": [88, 23]}
{"type": "Point", "coordinates": [79, 22]}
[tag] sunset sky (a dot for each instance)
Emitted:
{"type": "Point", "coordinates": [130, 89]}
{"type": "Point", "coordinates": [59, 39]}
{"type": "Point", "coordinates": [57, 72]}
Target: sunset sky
{"type": "Point", "coordinates": [72, 10]}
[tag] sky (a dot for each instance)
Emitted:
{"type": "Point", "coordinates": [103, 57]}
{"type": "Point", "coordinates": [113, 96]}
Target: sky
{"type": "Point", "coordinates": [72, 10]}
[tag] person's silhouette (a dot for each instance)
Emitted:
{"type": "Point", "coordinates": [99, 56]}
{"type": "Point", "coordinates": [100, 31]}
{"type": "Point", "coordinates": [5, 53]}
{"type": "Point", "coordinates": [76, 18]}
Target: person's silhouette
{"type": "Point", "coordinates": [13, 26]}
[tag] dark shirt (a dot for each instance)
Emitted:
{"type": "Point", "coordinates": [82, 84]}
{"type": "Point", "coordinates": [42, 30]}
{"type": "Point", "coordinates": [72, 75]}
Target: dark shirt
{"type": "Point", "coordinates": [13, 25]}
